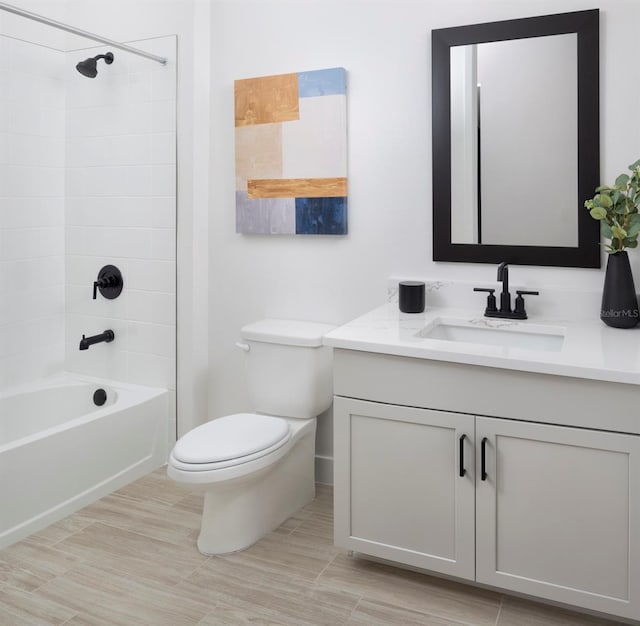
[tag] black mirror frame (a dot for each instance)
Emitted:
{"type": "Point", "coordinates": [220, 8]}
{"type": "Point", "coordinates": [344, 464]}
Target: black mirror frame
{"type": "Point", "coordinates": [586, 25]}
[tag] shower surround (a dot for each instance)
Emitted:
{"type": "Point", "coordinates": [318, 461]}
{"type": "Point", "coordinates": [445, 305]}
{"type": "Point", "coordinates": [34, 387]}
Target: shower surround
{"type": "Point", "coordinates": [32, 159]}
{"type": "Point", "coordinates": [87, 178]}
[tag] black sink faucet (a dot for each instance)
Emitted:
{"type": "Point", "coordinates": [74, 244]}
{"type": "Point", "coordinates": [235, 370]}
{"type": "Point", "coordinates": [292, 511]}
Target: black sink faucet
{"type": "Point", "coordinates": [107, 336]}
{"type": "Point", "coordinates": [505, 311]}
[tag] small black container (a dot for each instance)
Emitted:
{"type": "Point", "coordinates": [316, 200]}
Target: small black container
{"type": "Point", "coordinates": [411, 296]}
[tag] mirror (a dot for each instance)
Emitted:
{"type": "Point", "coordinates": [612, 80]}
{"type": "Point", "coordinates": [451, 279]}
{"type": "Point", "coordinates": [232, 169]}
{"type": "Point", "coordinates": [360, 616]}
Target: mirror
{"type": "Point", "coordinates": [516, 141]}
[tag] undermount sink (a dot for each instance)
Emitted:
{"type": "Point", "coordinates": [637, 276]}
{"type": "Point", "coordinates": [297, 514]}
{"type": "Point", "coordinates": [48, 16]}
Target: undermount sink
{"type": "Point", "coordinates": [496, 333]}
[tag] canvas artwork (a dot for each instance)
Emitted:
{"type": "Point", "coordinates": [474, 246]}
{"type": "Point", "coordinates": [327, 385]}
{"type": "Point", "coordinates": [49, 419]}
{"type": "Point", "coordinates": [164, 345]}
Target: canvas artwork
{"type": "Point", "coordinates": [291, 154]}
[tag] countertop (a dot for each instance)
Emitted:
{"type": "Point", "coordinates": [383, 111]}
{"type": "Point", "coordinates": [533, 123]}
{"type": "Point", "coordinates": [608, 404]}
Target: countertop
{"type": "Point", "coordinates": [590, 349]}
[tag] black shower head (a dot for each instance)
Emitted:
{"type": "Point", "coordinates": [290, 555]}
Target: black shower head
{"type": "Point", "coordinates": [88, 67]}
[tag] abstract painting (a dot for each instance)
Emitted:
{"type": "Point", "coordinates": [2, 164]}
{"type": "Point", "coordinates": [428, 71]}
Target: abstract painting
{"type": "Point", "coordinates": [291, 154]}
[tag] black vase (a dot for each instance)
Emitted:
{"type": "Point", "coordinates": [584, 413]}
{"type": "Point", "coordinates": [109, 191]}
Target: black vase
{"type": "Point", "coordinates": [619, 302]}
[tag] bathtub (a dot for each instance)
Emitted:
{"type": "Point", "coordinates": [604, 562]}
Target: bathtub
{"type": "Point", "coordinates": [60, 452]}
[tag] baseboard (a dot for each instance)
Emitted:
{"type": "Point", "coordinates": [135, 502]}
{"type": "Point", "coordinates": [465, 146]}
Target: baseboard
{"type": "Point", "coordinates": [324, 469]}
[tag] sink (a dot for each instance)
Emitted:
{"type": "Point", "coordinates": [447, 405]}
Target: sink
{"type": "Point", "coordinates": [507, 334]}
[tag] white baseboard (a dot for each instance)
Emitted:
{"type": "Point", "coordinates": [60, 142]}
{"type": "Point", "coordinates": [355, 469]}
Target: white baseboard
{"type": "Point", "coordinates": [324, 469]}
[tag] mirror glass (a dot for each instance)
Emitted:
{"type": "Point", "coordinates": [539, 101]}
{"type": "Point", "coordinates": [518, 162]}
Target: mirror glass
{"type": "Point", "coordinates": [516, 141]}
{"type": "Point", "coordinates": [513, 120]}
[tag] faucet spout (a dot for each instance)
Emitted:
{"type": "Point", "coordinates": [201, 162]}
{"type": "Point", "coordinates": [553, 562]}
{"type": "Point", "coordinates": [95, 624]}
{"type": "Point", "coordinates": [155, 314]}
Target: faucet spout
{"type": "Point", "coordinates": [107, 336]}
{"type": "Point", "coordinates": [505, 296]}
{"type": "Point", "coordinates": [503, 275]}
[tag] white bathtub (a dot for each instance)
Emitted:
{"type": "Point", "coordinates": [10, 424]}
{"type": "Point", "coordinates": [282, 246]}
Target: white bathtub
{"type": "Point", "coordinates": [59, 451]}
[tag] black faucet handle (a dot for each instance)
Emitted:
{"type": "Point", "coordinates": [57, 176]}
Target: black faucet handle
{"type": "Point", "coordinates": [519, 310]}
{"type": "Point", "coordinates": [109, 282]}
{"type": "Point", "coordinates": [491, 299]}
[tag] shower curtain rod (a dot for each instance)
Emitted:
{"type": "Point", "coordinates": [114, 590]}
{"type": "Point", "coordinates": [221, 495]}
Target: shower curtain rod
{"type": "Point", "coordinates": [76, 31]}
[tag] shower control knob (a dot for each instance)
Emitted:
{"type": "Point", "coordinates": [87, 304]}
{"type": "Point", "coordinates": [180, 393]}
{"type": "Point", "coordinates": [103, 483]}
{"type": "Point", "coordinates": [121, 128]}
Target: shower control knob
{"type": "Point", "coordinates": [109, 282]}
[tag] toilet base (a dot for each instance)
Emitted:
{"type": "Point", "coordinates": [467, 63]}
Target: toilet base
{"type": "Point", "coordinates": [237, 514]}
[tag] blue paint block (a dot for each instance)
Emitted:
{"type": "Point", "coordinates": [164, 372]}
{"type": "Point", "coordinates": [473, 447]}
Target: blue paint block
{"type": "Point", "coordinates": [322, 83]}
{"type": "Point", "coordinates": [321, 216]}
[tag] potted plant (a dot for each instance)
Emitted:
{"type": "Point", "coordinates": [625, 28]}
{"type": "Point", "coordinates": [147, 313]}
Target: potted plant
{"type": "Point", "coordinates": [617, 209]}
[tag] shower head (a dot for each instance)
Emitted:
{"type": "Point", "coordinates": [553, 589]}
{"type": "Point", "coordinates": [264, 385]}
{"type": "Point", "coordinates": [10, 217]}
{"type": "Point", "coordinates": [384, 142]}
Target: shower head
{"type": "Point", "coordinates": [88, 67]}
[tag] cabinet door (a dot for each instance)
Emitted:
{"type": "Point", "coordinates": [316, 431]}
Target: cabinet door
{"type": "Point", "coordinates": [398, 491]}
{"type": "Point", "coordinates": [558, 514]}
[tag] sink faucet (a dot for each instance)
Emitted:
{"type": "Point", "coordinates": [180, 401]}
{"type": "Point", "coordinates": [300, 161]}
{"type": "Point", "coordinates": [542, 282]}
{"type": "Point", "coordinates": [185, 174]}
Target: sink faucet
{"type": "Point", "coordinates": [505, 311]}
{"type": "Point", "coordinates": [107, 336]}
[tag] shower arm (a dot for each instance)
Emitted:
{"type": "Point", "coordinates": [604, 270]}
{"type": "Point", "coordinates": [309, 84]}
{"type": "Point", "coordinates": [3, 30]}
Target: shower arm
{"type": "Point", "coordinates": [9, 8]}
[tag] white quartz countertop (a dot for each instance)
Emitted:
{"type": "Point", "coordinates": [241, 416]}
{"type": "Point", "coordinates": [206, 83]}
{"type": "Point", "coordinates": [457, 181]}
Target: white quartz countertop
{"type": "Point", "coordinates": [590, 349]}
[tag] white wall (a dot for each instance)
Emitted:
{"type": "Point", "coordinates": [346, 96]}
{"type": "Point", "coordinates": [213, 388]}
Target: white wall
{"type": "Point", "coordinates": [32, 130]}
{"type": "Point", "coordinates": [385, 47]}
{"type": "Point", "coordinates": [29, 30]}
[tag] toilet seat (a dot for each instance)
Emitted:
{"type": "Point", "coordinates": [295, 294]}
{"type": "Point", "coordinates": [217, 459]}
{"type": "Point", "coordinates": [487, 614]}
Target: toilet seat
{"type": "Point", "coordinates": [228, 441]}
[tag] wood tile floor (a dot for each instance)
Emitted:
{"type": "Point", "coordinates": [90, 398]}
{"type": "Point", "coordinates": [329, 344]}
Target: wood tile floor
{"type": "Point", "coordinates": [130, 559]}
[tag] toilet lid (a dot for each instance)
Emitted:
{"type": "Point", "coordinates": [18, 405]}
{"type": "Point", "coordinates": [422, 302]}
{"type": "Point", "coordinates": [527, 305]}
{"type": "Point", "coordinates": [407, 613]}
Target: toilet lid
{"type": "Point", "coordinates": [231, 437]}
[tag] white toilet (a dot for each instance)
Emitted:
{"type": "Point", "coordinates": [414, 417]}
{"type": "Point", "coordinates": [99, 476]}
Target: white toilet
{"type": "Point", "coordinates": [257, 469]}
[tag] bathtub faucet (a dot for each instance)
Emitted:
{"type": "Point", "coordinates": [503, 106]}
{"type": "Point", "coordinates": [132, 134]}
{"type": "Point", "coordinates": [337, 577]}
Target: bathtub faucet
{"type": "Point", "coordinates": [107, 335]}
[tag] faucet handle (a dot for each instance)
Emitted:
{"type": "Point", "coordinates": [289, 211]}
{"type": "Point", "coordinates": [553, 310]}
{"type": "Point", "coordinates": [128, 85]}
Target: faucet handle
{"type": "Point", "coordinates": [520, 301]}
{"type": "Point", "coordinates": [491, 299]}
{"type": "Point", "coordinates": [109, 282]}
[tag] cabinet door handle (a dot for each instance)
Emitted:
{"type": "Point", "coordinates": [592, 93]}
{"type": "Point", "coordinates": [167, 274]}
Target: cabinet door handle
{"type": "Point", "coordinates": [483, 459]}
{"type": "Point", "coordinates": [462, 471]}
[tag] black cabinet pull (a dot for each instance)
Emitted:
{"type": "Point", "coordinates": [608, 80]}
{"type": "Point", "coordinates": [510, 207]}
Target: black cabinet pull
{"type": "Point", "coordinates": [462, 471]}
{"type": "Point", "coordinates": [483, 459]}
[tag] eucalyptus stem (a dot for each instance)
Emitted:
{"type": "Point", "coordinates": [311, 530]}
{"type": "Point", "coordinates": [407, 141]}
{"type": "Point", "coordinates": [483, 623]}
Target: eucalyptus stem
{"type": "Point", "coordinates": [617, 209]}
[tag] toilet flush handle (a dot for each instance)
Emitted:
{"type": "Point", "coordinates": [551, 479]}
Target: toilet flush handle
{"type": "Point", "coordinates": [243, 346]}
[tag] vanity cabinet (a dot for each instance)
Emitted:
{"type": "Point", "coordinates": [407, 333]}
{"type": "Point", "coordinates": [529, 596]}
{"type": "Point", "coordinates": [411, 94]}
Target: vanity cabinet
{"type": "Point", "coordinates": [557, 514]}
{"type": "Point", "coordinates": [533, 506]}
{"type": "Point", "coordinates": [400, 495]}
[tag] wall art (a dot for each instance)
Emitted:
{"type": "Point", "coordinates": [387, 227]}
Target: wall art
{"type": "Point", "coordinates": [291, 154]}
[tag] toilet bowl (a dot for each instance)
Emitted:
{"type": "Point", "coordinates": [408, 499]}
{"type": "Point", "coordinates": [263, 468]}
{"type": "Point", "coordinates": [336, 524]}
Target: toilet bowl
{"type": "Point", "coordinates": [257, 469]}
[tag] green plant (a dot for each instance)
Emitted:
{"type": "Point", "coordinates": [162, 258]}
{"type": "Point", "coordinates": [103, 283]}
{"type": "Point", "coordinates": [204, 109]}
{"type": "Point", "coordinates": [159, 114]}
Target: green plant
{"type": "Point", "coordinates": [617, 209]}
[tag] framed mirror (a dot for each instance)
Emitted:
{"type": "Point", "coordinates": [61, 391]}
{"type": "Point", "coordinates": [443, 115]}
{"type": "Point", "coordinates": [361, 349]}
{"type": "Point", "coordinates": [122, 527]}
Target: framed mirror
{"type": "Point", "coordinates": [516, 146]}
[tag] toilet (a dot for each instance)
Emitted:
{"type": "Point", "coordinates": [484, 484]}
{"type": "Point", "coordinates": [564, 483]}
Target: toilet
{"type": "Point", "coordinates": [257, 469]}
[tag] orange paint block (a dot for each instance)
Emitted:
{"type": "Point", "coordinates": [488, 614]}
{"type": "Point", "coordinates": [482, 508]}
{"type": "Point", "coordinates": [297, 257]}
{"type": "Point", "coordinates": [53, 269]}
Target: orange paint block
{"type": "Point", "coordinates": [297, 188]}
{"type": "Point", "coordinates": [266, 99]}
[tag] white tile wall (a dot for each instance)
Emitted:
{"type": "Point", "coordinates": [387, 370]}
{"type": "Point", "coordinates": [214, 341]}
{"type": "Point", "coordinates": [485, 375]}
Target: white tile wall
{"type": "Point", "coordinates": [87, 178]}
{"type": "Point", "coordinates": [32, 132]}
{"type": "Point", "coordinates": [121, 210]}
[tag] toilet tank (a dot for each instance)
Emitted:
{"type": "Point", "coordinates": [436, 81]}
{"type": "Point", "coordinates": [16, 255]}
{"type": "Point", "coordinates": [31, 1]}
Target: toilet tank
{"type": "Point", "coordinates": [289, 371]}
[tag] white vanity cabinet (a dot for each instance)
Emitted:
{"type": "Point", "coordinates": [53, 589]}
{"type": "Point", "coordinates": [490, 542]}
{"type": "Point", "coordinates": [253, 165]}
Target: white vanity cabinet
{"type": "Point", "coordinates": [558, 513]}
{"type": "Point", "coordinates": [541, 508]}
{"type": "Point", "coordinates": [401, 496]}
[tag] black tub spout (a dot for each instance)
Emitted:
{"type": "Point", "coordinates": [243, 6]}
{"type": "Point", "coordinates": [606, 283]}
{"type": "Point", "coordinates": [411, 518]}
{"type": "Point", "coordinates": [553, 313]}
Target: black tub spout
{"type": "Point", "coordinates": [107, 336]}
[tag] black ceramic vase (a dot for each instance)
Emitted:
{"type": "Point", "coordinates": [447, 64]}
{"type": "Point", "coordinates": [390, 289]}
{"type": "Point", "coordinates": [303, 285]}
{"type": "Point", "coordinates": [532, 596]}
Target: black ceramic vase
{"type": "Point", "coordinates": [619, 302]}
